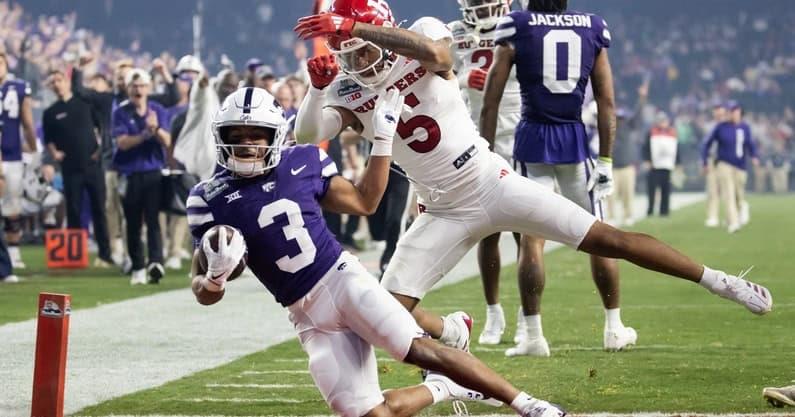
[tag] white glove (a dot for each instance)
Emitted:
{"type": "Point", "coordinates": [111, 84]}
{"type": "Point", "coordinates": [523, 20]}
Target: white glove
{"type": "Point", "coordinates": [221, 263]}
{"type": "Point", "coordinates": [601, 182]}
{"type": "Point", "coordinates": [385, 121]}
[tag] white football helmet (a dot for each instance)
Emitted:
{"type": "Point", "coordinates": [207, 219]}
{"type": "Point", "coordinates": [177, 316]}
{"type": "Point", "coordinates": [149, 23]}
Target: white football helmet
{"type": "Point", "coordinates": [250, 106]}
{"type": "Point", "coordinates": [484, 13]}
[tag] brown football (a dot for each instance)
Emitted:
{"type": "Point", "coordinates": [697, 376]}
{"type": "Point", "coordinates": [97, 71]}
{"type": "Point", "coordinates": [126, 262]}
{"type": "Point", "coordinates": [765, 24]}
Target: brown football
{"type": "Point", "coordinates": [212, 235]}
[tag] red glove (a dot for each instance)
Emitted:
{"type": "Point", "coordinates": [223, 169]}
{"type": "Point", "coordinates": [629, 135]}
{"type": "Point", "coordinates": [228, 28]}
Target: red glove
{"type": "Point", "coordinates": [324, 24]}
{"type": "Point", "coordinates": [322, 70]}
{"type": "Point", "coordinates": [477, 79]}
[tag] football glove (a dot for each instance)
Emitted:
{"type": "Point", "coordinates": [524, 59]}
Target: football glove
{"type": "Point", "coordinates": [221, 263]}
{"type": "Point", "coordinates": [322, 70]}
{"type": "Point", "coordinates": [385, 121]}
{"type": "Point", "coordinates": [601, 182]}
{"type": "Point", "coordinates": [324, 24]}
{"type": "Point", "coordinates": [477, 79]}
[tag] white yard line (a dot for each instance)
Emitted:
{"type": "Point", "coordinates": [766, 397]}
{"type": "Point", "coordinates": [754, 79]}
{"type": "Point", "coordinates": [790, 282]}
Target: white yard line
{"type": "Point", "coordinates": [260, 386]}
{"type": "Point", "coordinates": [280, 371]}
{"type": "Point", "coordinates": [120, 348]}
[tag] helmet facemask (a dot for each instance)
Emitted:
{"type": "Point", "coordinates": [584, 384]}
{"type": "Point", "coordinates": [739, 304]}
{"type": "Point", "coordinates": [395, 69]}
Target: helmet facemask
{"type": "Point", "coordinates": [483, 14]}
{"type": "Point", "coordinates": [249, 160]}
{"type": "Point", "coordinates": [365, 62]}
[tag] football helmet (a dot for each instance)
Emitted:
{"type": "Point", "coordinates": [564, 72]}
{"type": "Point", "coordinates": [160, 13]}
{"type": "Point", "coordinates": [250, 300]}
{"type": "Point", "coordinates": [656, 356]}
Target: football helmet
{"type": "Point", "coordinates": [249, 106]}
{"type": "Point", "coordinates": [365, 62]}
{"type": "Point", "coordinates": [484, 14]}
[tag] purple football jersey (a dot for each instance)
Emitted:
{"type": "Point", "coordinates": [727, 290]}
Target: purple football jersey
{"type": "Point", "coordinates": [12, 92]}
{"type": "Point", "coordinates": [554, 57]}
{"type": "Point", "coordinates": [289, 246]}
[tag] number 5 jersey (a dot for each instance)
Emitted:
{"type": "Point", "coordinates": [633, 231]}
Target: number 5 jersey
{"type": "Point", "coordinates": [289, 246]}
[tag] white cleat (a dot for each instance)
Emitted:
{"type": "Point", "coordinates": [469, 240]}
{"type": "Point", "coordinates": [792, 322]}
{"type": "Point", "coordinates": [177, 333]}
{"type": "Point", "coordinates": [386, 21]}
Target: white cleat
{"type": "Point", "coordinates": [464, 323]}
{"type": "Point", "coordinates": [530, 347]}
{"type": "Point", "coordinates": [521, 329]}
{"type": "Point", "coordinates": [10, 279]}
{"type": "Point", "coordinates": [754, 297]}
{"type": "Point", "coordinates": [174, 262]}
{"type": "Point", "coordinates": [139, 277]}
{"type": "Point", "coordinates": [745, 213]}
{"type": "Point", "coordinates": [18, 264]}
{"type": "Point", "coordinates": [734, 228]}
{"type": "Point", "coordinates": [493, 329]}
{"type": "Point", "coordinates": [779, 397]}
{"type": "Point", "coordinates": [458, 392]}
{"type": "Point", "coordinates": [541, 408]}
{"type": "Point", "coordinates": [619, 339]}
{"type": "Point", "coordinates": [712, 223]}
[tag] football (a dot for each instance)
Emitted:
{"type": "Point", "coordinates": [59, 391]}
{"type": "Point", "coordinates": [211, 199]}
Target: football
{"type": "Point", "coordinates": [212, 236]}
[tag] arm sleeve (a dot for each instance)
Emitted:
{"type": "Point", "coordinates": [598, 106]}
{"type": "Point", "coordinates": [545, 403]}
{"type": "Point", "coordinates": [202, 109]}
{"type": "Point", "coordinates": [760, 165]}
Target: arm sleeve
{"type": "Point", "coordinates": [315, 122]}
{"type": "Point", "coordinates": [602, 32]}
{"type": "Point", "coordinates": [328, 170]}
{"type": "Point", "coordinates": [46, 128]}
{"type": "Point", "coordinates": [506, 33]}
{"type": "Point", "coordinates": [169, 98]}
{"type": "Point", "coordinates": [646, 151]}
{"type": "Point", "coordinates": [118, 126]}
{"type": "Point", "coordinates": [751, 144]}
{"type": "Point", "coordinates": [432, 28]}
{"type": "Point", "coordinates": [708, 144]}
{"type": "Point", "coordinates": [200, 216]}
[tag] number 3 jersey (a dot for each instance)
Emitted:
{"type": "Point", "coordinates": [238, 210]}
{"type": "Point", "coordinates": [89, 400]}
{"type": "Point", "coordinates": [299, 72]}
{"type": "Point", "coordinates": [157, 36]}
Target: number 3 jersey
{"type": "Point", "coordinates": [289, 246]}
{"type": "Point", "coordinates": [436, 141]}
{"type": "Point", "coordinates": [554, 55]}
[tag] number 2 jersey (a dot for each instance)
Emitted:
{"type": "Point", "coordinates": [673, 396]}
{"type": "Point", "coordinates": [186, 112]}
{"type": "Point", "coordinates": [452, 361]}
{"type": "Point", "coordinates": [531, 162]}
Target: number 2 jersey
{"type": "Point", "coordinates": [554, 55]}
{"type": "Point", "coordinates": [12, 93]}
{"type": "Point", "coordinates": [289, 246]}
{"type": "Point", "coordinates": [436, 142]}
{"type": "Point", "coordinates": [474, 49]}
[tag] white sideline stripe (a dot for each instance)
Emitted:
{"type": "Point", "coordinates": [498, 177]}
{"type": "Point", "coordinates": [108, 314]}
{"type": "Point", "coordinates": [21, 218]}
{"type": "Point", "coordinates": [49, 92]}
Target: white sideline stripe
{"type": "Point", "coordinates": [260, 386]}
{"type": "Point", "coordinates": [305, 360]}
{"type": "Point", "coordinates": [281, 371]}
{"type": "Point", "coordinates": [241, 400]}
{"type": "Point", "coordinates": [566, 348]}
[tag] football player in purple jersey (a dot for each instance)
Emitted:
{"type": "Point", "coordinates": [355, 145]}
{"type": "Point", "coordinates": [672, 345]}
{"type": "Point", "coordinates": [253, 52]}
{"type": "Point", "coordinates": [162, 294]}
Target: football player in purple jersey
{"type": "Point", "coordinates": [272, 196]}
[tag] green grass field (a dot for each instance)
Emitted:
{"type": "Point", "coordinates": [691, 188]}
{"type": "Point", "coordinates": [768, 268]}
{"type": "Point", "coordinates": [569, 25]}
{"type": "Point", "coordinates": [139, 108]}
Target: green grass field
{"type": "Point", "coordinates": [696, 352]}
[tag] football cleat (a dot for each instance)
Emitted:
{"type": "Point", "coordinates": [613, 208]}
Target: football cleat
{"type": "Point", "coordinates": [744, 213]}
{"type": "Point", "coordinates": [138, 277]}
{"type": "Point", "coordinates": [530, 347]}
{"type": "Point", "coordinates": [464, 324]}
{"type": "Point", "coordinates": [754, 297]}
{"type": "Point", "coordinates": [541, 408]}
{"type": "Point", "coordinates": [457, 392]}
{"type": "Point", "coordinates": [619, 339]}
{"type": "Point", "coordinates": [779, 397]}
{"type": "Point", "coordinates": [10, 279]}
{"type": "Point", "coordinates": [156, 272]}
{"type": "Point", "coordinates": [493, 329]}
{"type": "Point", "coordinates": [712, 222]}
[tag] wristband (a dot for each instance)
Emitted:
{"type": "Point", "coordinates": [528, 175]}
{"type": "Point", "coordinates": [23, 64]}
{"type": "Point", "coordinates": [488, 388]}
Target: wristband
{"type": "Point", "coordinates": [607, 159]}
{"type": "Point", "coordinates": [381, 147]}
{"type": "Point", "coordinates": [316, 92]}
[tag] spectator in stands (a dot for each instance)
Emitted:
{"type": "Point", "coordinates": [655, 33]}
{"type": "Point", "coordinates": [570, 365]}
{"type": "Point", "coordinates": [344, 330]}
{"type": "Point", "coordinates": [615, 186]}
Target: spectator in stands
{"type": "Point", "coordinates": [141, 134]}
{"type": "Point", "coordinates": [779, 166]}
{"type": "Point", "coordinates": [251, 70]}
{"type": "Point", "coordinates": [71, 133]}
{"type": "Point", "coordinates": [735, 146]}
{"type": "Point", "coordinates": [661, 156]}
{"type": "Point", "coordinates": [226, 83]}
{"type": "Point", "coordinates": [264, 78]}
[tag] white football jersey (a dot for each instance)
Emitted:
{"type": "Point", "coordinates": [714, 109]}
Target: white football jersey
{"type": "Point", "coordinates": [475, 49]}
{"type": "Point", "coordinates": [436, 143]}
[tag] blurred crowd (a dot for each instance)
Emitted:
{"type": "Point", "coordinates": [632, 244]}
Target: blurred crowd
{"type": "Point", "coordinates": [688, 63]}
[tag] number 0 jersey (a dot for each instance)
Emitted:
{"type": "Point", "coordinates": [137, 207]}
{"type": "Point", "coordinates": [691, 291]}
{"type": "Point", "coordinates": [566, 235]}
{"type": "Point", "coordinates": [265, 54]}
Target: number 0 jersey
{"type": "Point", "coordinates": [436, 141]}
{"type": "Point", "coordinates": [289, 246]}
{"type": "Point", "coordinates": [554, 55]}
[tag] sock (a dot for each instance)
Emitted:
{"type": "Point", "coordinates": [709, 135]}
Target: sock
{"type": "Point", "coordinates": [438, 390]}
{"type": "Point", "coordinates": [449, 332]}
{"type": "Point", "coordinates": [494, 310]}
{"type": "Point", "coordinates": [709, 279]}
{"type": "Point", "coordinates": [13, 253]}
{"type": "Point", "coordinates": [613, 318]}
{"type": "Point", "coordinates": [533, 325]}
{"type": "Point", "coordinates": [522, 402]}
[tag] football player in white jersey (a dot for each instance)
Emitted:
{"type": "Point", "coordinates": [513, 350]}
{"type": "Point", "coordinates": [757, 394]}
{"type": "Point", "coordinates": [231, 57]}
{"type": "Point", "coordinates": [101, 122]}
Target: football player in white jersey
{"type": "Point", "coordinates": [465, 191]}
{"type": "Point", "coordinates": [473, 46]}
